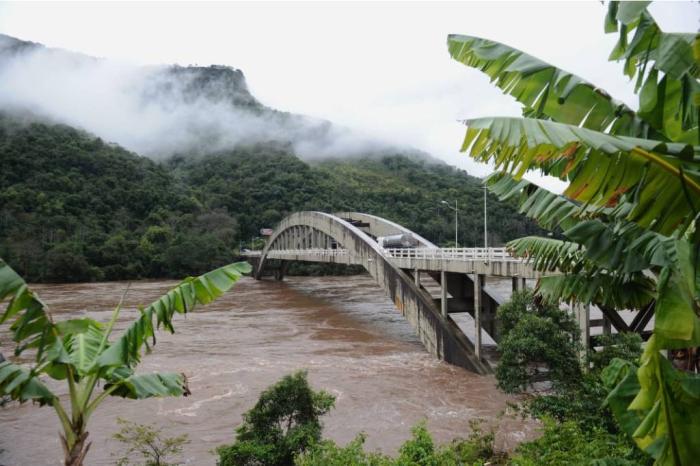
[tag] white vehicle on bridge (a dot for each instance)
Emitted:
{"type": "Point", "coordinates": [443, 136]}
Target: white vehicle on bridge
{"type": "Point", "coordinates": [404, 240]}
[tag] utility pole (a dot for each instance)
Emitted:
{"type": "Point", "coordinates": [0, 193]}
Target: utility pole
{"type": "Point", "coordinates": [456, 223]}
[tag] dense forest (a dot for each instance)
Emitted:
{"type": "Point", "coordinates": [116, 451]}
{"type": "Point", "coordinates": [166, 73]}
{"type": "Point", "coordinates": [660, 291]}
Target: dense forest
{"type": "Point", "coordinates": [74, 208]}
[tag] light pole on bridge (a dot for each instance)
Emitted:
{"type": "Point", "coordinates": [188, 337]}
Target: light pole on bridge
{"type": "Point", "coordinates": [456, 224]}
{"type": "Point", "coordinates": [486, 234]}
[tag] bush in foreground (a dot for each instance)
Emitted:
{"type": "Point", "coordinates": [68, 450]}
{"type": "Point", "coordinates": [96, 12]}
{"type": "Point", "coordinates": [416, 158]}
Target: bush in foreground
{"type": "Point", "coordinates": [283, 423]}
{"type": "Point", "coordinates": [539, 340]}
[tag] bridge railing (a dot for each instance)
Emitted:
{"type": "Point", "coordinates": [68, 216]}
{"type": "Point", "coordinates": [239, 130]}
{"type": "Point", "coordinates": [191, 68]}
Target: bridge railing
{"type": "Point", "coordinates": [500, 254]}
{"type": "Point", "coordinates": [466, 254]}
{"type": "Point", "coordinates": [296, 252]}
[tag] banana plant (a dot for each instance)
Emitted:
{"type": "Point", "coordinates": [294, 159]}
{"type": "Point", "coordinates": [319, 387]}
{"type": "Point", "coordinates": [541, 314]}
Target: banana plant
{"type": "Point", "coordinates": [82, 353]}
{"type": "Point", "coordinates": [630, 215]}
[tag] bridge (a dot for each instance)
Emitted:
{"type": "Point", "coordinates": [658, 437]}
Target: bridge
{"type": "Point", "coordinates": [458, 325]}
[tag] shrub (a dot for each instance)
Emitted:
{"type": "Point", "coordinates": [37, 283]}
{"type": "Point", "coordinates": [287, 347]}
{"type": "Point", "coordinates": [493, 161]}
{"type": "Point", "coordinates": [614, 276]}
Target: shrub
{"type": "Point", "coordinates": [419, 450]}
{"type": "Point", "coordinates": [626, 345]}
{"type": "Point", "coordinates": [283, 423]}
{"type": "Point", "coordinates": [567, 443]}
{"type": "Point", "coordinates": [148, 442]}
{"type": "Point", "coordinates": [583, 404]}
{"type": "Point", "coordinates": [328, 453]}
{"type": "Point", "coordinates": [539, 340]}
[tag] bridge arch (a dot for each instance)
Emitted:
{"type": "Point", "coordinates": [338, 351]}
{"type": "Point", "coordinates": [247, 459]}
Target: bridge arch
{"type": "Point", "coordinates": [318, 231]}
{"type": "Point", "coordinates": [378, 226]}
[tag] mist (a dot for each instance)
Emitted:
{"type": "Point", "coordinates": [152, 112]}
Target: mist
{"type": "Point", "coordinates": [158, 111]}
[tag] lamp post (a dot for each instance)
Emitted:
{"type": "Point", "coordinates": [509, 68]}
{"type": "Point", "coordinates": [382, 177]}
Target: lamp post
{"type": "Point", "coordinates": [486, 237]}
{"type": "Point", "coordinates": [456, 224]}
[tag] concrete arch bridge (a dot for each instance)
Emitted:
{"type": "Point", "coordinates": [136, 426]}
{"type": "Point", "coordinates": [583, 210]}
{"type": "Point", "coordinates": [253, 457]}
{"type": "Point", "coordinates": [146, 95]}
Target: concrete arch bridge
{"type": "Point", "coordinates": [445, 293]}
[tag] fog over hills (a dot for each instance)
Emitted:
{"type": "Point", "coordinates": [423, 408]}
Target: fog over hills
{"type": "Point", "coordinates": [162, 110]}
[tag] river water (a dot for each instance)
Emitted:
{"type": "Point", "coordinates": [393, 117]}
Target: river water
{"type": "Point", "coordinates": [342, 330]}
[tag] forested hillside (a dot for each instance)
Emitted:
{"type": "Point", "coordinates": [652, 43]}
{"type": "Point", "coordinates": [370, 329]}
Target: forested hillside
{"type": "Point", "coordinates": [74, 208]}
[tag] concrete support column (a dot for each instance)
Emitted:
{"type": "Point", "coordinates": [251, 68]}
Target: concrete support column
{"type": "Point", "coordinates": [515, 283]}
{"type": "Point", "coordinates": [523, 283]}
{"type": "Point", "coordinates": [478, 304]}
{"type": "Point", "coordinates": [582, 313]}
{"type": "Point", "coordinates": [443, 293]}
{"type": "Point", "coordinates": [416, 277]}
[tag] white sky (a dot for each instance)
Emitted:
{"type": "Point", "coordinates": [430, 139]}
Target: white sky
{"type": "Point", "coordinates": [382, 68]}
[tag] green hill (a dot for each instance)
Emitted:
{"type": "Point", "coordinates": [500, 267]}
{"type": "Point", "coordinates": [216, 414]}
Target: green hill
{"type": "Point", "coordinates": [73, 208]}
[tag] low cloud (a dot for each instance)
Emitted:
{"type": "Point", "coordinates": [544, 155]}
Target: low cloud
{"type": "Point", "coordinates": [158, 111]}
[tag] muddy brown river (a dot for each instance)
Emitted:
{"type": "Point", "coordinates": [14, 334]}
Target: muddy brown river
{"type": "Point", "coordinates": [343, 330]}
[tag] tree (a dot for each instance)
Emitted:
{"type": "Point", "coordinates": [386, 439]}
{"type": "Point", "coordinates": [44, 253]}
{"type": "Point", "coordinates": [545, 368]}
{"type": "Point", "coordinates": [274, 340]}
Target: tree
{"type": "Point", "coordinates": [79, 351]}
{"type": "Point", "coordinates": [282, 424]}
{"type": "Point", "coordinates": [148, 442]}
{"type": "Point", "coordinates": [539, 340]}
{"type": "Point", "coordinates": [629, 216]}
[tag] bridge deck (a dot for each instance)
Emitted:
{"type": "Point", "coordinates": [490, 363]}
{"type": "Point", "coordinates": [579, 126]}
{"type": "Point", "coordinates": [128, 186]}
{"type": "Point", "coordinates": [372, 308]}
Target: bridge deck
{"type": "Point", "coordinates": [492, 261]}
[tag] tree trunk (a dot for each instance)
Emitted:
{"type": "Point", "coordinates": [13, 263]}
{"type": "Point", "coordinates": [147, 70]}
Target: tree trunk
{"type": "Point", "coordinates": [75, 454]}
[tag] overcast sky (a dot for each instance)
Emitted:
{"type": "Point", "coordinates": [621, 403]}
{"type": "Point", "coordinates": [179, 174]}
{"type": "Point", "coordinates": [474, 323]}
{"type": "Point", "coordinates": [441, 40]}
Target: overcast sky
{"type": "Point", "coordinates": [382, 68]}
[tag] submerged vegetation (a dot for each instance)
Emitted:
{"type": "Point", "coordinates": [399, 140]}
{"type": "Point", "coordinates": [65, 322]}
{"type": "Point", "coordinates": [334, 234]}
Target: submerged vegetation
{"type": "Point", "coordinates": [149, 444]}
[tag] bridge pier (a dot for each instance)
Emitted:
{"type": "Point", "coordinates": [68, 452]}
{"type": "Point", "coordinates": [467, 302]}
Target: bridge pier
{"type": "Point", "coordinates": [478, 300]}
{"type": "Point", "coordinates": [451, 330]}
{"type": "Point", "coordinates": [443, 293]}
{"type": "Point", "coordinates": [281, 271]}
{"type": "Point", "coordinates": [519, 283]}
{"type": "Point", "coordinates": [582, 313]}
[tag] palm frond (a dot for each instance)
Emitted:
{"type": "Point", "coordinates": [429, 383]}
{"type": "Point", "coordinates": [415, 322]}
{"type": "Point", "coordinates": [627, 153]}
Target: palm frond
{"type": "Point", "coordinates": [126, 350]}
{"type": "Point", "coordinates": [664, 67]}
{"type": "Point", "coordinates": [141, 386]}
{"type": "Point", "coordinates": [549, 210]}
{"type": "Point", "coordinates": [21, 384]}
{"type": "Point", "coordinates": [32, 326]}
{"type": "Point", "coordinates": [545, 90]}
{"type": "Point", "coordinates": [605, 238]}
{"type": "Point", "coordinates": [659, 182]}
{"type": "Point", "coordinates": [626, 291]}
{"type": "Point", "coordinates": [549, 254]}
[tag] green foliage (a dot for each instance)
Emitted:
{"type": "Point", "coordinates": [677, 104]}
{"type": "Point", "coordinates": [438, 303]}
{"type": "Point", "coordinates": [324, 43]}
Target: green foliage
{"type": "Point", "coordinates": [328, 453]}
{"type": "Point", "coordinates": [538, 340]}
{"type": "Point", "coordinates": [282, 424]}
{"type": "Point", "coordinates": [584, 401]}
{"type": "Point", "coordinates": [148, 443]}
{"type": "Point", "coordinates": [419, 450]}
{"type": "Point", "coordinates": [625, 345]}
{"type": "Point", "coordinates": [631, 210]}
{"type": "Point", "coordinates": [79, 351]}
{"type": "Point", "coordinates": [73, 208]}
{"type": "Point", "coordinates": [567, 443]}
